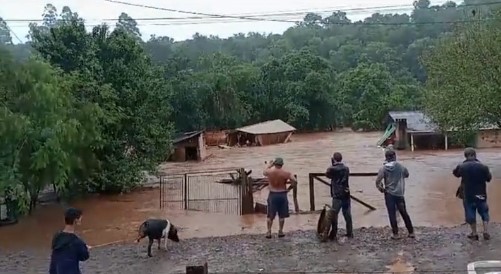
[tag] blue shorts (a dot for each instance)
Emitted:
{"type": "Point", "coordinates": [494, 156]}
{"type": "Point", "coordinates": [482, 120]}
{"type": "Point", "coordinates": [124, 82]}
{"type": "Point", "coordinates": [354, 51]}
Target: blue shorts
{"type": "Point", "coordinates": [278, 204]}
{"type": "Point", "coordinates": [472, 207]}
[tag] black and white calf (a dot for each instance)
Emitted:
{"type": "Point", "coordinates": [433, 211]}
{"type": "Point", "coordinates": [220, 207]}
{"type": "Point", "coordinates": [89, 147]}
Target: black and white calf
{"type": "Point", "coordinates": [156, 229]}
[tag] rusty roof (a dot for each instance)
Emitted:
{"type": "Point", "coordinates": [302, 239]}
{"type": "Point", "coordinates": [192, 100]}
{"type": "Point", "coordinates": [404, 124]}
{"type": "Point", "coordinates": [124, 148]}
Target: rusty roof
{"type": "Point", "coordinates": [268, 127]}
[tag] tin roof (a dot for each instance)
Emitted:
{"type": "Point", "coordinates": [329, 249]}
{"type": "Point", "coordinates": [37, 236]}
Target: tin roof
{"type": "Point", "coordinates": [273, 126]}
{"type": "Point", "coordinates": [186, 135]}
{"type": "Point", "coordinates": [417, 121]}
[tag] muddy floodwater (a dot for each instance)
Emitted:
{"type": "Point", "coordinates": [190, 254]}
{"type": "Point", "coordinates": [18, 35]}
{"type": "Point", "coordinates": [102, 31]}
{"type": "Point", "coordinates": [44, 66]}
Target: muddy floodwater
{"type": "Point", "coordinates": [430, 193]}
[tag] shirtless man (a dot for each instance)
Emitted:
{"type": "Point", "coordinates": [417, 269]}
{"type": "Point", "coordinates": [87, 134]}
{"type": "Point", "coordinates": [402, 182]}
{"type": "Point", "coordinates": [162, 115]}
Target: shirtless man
{"type": "Point", "coordinates": [277, 200]}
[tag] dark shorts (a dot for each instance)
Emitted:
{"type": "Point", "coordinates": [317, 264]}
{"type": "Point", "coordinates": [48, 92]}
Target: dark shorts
{"type": "Point", "coordinates": [472, 207]}
{"type": "Point", "coordinates": [278, 204]}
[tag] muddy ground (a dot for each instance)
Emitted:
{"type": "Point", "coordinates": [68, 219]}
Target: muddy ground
{"type": "Point", "coordinates": [435, 250]}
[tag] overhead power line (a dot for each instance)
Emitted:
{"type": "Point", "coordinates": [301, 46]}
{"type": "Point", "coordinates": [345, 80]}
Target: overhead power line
{"type": "Point", "coordinates": [197, 13]}
{"type": "Point", "coordinates": [252, 16]}
{"type": "Point", "coordinates": [207, 18]}
{"type": "Point", "coordinates": [13, 33]}
{"type": "Point", "coordinates": [368, 24]}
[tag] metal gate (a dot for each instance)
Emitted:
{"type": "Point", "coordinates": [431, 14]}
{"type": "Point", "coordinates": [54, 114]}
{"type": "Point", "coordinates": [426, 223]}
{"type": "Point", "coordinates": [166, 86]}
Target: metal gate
{"type": "Point", "coordinates": [210, 191]}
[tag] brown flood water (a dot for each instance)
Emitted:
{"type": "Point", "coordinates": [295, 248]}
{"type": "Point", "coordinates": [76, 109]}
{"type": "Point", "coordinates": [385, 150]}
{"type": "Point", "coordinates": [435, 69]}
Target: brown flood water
{"type": "Point", "coordinates": [430, 193]}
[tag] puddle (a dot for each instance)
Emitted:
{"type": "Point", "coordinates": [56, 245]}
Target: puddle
{"type": "Point", "coordinates": [399, 265]}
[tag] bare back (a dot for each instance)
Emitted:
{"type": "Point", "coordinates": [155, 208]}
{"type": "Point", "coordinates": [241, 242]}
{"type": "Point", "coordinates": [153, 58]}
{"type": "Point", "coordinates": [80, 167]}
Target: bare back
{"type": "Point", "coordinates": [278, 179]}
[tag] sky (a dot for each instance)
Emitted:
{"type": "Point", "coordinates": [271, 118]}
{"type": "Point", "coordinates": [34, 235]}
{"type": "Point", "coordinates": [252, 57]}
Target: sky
{"type": "Point", "coordinates": [97, 11]}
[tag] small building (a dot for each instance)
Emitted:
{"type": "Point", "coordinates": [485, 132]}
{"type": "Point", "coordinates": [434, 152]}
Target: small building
{"type": "Point", "coordinates": [215, 137]}
{"type": "Point", "coordinates": [189, 146]}
{"type": "Point", "coordinates": [412, 129]}
{"type": "Point", "coordinates": [488, 137]}
{"type": "Point", "coordinates": [262, 134]}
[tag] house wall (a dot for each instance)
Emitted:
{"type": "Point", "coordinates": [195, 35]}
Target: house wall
{"type": "Point", "coordinates": [489, 138]}
{"type": "Point", "coordinates": [427, 141]}
{"type": "Point", "coordinates": [202, 151]}
{"type": "Point", "coordinates": [274, 138]}
{"type": "Point", "coordinates": [179, 154]}
{"type": "Point", "coordinates": [401, 140]}
{"type": "Point", "coordinates": [215, 138]}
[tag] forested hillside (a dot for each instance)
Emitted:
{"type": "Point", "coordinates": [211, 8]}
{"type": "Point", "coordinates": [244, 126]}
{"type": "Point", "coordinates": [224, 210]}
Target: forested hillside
{"type": "Point", "coordinates": [89, 111]}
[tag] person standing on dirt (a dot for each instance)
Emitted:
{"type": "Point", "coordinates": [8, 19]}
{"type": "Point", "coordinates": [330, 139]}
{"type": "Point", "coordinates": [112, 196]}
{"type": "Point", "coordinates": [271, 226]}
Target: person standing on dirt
{"type": "Point", "coordinates": [68, 250]}
{"type": "Point", "coordinates": [278, 204]}
{"type": "Point", "coordinates": [391, 181]}
{"type": "Point", "coordinates": [339, 174]}
{"type": "Point", "coordinates": [473, 190]}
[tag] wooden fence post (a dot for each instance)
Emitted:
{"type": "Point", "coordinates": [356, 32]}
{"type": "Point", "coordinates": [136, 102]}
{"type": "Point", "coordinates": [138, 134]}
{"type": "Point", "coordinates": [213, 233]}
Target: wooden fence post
{"type": "Point", "coordinates": [197, 269]}
{"type": "Point", "coordinates": [247, 197]}
{"type": "Point", "coordinates": [186, 194]}
{"type": "Point", "coordinates": [312, 193]}
{"type": "Point", "coordinates": [294, 196]}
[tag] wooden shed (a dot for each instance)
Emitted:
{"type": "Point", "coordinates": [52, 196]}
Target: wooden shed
{"type": "Point", "coordinates": [262, 134]}
{"type": "Point", "coordinates": [189, 146]}
{"type": "Point", "coordinates": [413, 129]}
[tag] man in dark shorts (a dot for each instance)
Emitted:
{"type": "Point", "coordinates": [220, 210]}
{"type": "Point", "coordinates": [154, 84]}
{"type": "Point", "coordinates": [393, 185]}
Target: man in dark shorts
{"type": "Point", "coordinates": [474, 178]}
{"type": "Point", "coordinates": [68, 250]}
{"type": "Point", "coordinates": [278, 203]}
{"type": "Point", "coordinates": [391, 181]}
{"type": "Point", "coordinates": [340, 193]}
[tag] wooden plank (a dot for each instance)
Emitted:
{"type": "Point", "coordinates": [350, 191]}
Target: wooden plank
{"type": "Point", "coordinates": [312, 192]}
{"type": "Point", "coordinates": [352, 197]}
{"type": "Point", "coordinates": [294, 196]}
{"type": "Point", "coordinates": [352, 174]}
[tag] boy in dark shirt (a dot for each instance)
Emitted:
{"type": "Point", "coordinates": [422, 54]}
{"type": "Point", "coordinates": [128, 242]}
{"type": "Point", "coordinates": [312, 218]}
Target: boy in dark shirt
{"type": "Point", "coordinates": [473, 190]}
{"type": "Point", "coordinates": [68, 250]}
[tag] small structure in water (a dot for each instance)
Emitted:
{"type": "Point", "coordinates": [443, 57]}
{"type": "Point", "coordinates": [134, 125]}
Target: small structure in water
{"type": "Point", "coordinates": [415, 130]}
{"type": "Point", "coordinates": [411, 129]}
{"type": "Point", "coordinates": [262, 134]}
{"type": "Point", "coordinates": [189, 146]}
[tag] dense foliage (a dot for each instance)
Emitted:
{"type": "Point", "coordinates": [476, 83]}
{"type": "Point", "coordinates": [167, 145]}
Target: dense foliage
{"type": "Point", "coordinates": [89, 112]}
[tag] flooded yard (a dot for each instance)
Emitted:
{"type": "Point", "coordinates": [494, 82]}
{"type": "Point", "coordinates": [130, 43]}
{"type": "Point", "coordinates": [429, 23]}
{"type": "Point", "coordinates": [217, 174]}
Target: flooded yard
{"type": "Point", "coordinates": [430, 193]}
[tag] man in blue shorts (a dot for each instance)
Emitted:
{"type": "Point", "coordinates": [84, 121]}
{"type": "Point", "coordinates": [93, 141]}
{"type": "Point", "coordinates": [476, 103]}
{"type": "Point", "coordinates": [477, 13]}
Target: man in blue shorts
{"type": "Point", "coordinates": [474, 178]}
{"type": "Point", "coordinates": [278, 204]}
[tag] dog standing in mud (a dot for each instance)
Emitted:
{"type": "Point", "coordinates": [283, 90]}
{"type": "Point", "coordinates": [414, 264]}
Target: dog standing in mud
{"type": "Point", "coordinates": [156, 229]}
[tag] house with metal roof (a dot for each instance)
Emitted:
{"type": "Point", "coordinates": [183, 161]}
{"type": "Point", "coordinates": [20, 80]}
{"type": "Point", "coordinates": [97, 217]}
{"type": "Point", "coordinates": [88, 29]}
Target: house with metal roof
{"type": "Point", "coordinates": [261, 134]}
{"type": "Point", "coordinates": [412, 129]}
{"type": "Point", "coordinates": [189, 146]}
{"type": "Point", "coordinates": [415, 130]}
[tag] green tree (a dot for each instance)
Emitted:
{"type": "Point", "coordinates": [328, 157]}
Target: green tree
{"type": "Point", "coordinates": [5, 37]}
{"type": "Point", "coordinates": [42, 128]}
{"type": "Point", "coordinates": [463, 86]}
{"type": "Point", "coordinates": [128, 25]}
{"type": "Point", "coordinates": [110, 69]}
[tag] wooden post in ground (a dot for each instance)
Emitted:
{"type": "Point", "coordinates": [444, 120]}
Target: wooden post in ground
{"type": "Point", "coordinates": [247, 197]}
{"type": "Point", "coordinates": [312, 193]}
{"type": "Point", "coordinates": [197, 269]}
{"type": "Point", "coordinates": [294, 197]}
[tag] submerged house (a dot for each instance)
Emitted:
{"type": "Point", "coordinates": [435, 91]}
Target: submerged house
{"type": "Point", "coordinates": [262, 134]}
{"type": "Point", "coordinates": [414, 130]}
{"type": "Point", "coordinates": [189, 146]}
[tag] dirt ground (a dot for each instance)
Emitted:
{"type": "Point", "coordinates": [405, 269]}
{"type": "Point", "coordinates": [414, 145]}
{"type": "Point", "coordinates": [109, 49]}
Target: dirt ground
{"type": "Point", "coordinates": [435, 250]}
